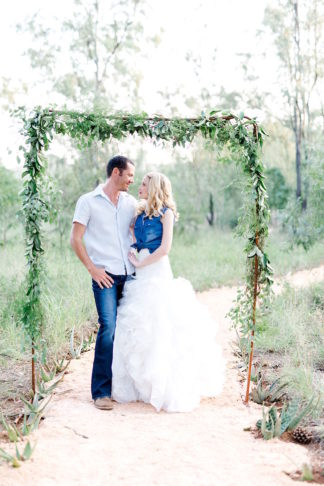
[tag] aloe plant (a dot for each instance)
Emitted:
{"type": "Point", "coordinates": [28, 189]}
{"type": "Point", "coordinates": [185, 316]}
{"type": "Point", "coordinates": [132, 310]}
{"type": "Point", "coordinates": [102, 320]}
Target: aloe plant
{"type": "Point", "coordinates": [47, 376]}
{"type": "Point", "coordinates": [44, 391]}
{"type": "Point", "coordinates": [30, 424]}
{"type": "Point", "coordinates": [75, 352]}
{"type": "Point", "coordinates": [19, 456]}
{"type": "Point", "coordinates": [274, 425]}
{"type": "Point", "coordinates": [9, 458]}
{"type": "Point", "coordinates": [13, 433]}
{"type": "Point", "coordinates": [36, 408]}
{"type": "Point", "coordinates": [61, 366]}
{"type": "Point", "coordinates": [87, 343]}
{"type": "Point", "coordinates": [271, 392]}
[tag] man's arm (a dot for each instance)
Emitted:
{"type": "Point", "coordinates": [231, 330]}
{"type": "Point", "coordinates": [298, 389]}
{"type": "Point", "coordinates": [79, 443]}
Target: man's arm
{"type": "Point", "coordinates": [98, 274]}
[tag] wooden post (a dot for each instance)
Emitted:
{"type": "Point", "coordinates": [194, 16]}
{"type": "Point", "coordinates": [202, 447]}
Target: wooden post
{"type": "Point", "coordinates": [255, 291]}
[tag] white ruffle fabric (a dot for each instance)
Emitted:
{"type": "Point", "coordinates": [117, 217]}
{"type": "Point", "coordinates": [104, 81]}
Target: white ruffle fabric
{"type": "Point", "coordinates": [165, 350]}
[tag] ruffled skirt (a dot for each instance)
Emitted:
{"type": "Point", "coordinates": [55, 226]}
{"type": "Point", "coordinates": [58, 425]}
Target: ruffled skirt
{"type": "Point", "coordinates": [165, 349]}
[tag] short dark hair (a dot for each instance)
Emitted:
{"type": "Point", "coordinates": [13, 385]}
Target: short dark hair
{"type": "Point", "coordinates": [120, 162]}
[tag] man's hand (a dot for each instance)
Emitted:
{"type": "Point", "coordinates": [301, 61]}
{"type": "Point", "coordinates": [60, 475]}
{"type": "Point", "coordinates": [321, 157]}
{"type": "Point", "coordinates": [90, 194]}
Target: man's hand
{"type": "Point", "coordinates": [100, 276]}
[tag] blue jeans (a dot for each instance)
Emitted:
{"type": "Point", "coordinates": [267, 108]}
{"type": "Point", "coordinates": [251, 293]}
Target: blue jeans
{"type": "Point", "coordinates": [106, 302]}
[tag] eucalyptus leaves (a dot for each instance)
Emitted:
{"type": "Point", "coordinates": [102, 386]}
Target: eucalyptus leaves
{"type": "Point", "coordinates": [236, 132]}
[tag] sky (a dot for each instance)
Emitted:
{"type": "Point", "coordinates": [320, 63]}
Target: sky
{"type": "Point", "coordinates": [202, 27]}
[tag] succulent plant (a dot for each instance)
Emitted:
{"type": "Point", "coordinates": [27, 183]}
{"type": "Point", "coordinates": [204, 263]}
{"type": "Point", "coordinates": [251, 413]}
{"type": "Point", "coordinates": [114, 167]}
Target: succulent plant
{"type": "Point", "coordinates": [274, 424]}
{"type": "Point", "coordinates": [271, 392]}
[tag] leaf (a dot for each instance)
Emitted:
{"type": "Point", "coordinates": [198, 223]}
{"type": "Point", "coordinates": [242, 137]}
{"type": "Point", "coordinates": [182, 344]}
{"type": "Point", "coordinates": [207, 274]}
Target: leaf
{"type": "Point", "coordinates": [28, 451]}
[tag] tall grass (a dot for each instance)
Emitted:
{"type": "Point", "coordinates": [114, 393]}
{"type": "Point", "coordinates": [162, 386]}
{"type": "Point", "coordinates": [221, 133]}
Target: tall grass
{"type": "Point", "coordinates": [67, 300]}
{"type": "Point", "coordinates": [294, 328]}
{"type": "Point", "coordinates": [212, 258]}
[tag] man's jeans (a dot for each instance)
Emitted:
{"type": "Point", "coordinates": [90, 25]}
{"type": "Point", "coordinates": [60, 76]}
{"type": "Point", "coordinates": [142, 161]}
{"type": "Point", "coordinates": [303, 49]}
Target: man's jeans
{"type": "Point", "coordinates": [106, 301]}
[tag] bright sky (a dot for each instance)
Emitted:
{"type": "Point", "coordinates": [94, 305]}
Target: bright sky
{"type": "Point", "coordinates": [200, 26]}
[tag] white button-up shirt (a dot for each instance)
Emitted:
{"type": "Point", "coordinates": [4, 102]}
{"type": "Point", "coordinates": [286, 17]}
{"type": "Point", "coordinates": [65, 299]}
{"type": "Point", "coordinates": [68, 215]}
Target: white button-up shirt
{"type": "Point", "coordinates": [107, 237]}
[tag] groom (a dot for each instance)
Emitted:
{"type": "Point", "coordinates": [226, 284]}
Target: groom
{"type": "Point", "coordinates": [102, 220]}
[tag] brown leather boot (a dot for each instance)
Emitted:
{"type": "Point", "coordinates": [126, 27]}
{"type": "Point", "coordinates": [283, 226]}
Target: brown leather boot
{"type": "Point", "coordinates": [104, 403]}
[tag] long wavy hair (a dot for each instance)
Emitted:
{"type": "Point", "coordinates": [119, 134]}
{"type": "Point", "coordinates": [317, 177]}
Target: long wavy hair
{"type": "Point", "coordinates": [159, 196]}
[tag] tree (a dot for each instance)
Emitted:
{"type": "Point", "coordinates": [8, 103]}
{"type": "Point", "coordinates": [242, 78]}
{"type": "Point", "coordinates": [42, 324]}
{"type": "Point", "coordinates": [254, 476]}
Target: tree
{"type": "Point", "coordinates": [297, 27]}
{"type": "Point", "coordinates": [277, 188]}
{"type": "Point", "coordinates": [97, 42]}
{"type": "Point", "coordinates": [9, 201]}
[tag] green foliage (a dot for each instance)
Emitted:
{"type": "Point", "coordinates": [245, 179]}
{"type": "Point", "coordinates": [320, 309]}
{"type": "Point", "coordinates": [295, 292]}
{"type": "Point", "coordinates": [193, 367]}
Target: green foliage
{"type": "Point", "coordinates": [294, 328]}
{"type": "Point", "coordinates": [238, 133]}
{"type": "Point", "coordinates": [9, 202]}
{"type": "Point", "coordinates": [11, 429]}
{"type": "Point", "coordinates": [97, 41]}
{"type": "Point", "coordinates": [277, 188]}
{"type": "Point", "coordinates": [75, 352]}
{"type": "Point", "coordinates": [307, 473]}
{"type": "Point", "coordinates": [211, 178]}
{"type": "Point", "coordinates": [272, 392]}
{"type": "Point", "coordinates": [274, 424]}
{"type": "Point", "coordinates": [293, 333]}
{"type": "Point", "coordinates": [306, 226]}
{"type": "Point", "coordinates": [19, 456]}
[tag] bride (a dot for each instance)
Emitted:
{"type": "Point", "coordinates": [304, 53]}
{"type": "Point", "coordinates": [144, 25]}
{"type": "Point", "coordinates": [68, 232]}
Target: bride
{"type": "Point", "coordinates": [165, 352]}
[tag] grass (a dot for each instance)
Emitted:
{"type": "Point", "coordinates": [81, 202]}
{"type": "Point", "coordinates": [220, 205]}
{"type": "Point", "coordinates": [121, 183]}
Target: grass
{"type": "Point", "coordinates": [294, 330]}
{"type": "Point", "coordinates": [209, 259]}
{"type": "Point", "coordinates": [67, 301]}
{"type": "Point", "coordinates": [214, 258]}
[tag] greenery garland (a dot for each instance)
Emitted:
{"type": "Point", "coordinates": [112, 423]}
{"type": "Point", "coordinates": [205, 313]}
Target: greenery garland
{"type": "Point", "coordinates": [238, 132]}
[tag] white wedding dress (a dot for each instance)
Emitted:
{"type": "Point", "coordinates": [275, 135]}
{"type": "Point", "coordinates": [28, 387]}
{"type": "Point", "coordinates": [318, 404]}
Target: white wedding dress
{"type": "Point", "coordinates": [165, 351]}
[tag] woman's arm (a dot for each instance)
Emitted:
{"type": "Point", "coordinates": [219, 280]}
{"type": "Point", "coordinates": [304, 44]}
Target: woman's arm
{"type": "Point", "coordinates": [164, 248]}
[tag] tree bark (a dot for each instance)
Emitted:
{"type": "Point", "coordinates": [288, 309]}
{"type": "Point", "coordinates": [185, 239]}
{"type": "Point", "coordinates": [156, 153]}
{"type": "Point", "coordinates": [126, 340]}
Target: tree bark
{"type": "Point", "coordinates": [297, 109]}
{"type": "Point", "coordinates": [297, 131]}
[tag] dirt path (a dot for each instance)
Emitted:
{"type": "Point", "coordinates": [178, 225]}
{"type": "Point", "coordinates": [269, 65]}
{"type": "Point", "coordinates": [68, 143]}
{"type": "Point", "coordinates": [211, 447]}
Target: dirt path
{"type": "Point", "coordinates": [134, 445]}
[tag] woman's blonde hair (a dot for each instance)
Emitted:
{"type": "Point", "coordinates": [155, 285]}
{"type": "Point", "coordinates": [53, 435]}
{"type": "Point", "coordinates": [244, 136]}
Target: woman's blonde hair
{"type": "Point", "coordinates": [159, 196]}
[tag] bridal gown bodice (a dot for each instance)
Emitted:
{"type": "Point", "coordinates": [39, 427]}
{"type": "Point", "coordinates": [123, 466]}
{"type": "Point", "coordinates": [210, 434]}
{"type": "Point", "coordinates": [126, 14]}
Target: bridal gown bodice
{"type": "Point", "coordinates": [165, 349]}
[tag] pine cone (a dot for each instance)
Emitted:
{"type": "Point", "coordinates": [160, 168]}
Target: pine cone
{"type": "Point", "coordinates": [302, 435]}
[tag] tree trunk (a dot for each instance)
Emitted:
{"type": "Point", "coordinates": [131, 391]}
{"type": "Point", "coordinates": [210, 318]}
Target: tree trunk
{"type": "Point", "coordinates": [297, 130]}
{"type": "Point", "coordinates": [211, 215]}
{"type": "Point", "coordinates": [298, 118]}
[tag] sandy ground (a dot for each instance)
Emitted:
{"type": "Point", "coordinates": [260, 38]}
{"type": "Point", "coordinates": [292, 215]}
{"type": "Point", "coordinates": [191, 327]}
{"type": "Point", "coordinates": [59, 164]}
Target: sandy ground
{"type": "Point", "coordinates": [134, 445]}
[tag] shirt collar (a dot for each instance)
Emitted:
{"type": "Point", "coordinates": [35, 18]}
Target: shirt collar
{"type": "Point", "coordinates": [100, 192]}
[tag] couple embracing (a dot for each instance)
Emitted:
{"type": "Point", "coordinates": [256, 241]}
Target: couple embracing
{"type": "Point", "coordinates": [156, 342]}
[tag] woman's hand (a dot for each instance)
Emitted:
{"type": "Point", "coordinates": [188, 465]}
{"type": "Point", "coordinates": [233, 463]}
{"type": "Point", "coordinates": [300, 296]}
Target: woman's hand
{"type": "Point", "coordinates": [132, 258]}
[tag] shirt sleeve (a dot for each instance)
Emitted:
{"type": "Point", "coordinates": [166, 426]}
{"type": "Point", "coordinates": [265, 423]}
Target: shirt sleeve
{"type": "Point", "coordinates": [135, 204]}
{"type": "Point", "coordinates": [82, 211]}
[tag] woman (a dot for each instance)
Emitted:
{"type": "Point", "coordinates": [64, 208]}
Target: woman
{"type": "Point", "coordinates": [164, 350]}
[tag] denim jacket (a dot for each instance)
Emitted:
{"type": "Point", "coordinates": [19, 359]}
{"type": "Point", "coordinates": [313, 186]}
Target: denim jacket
{"type": "Point", "coordinates": [148, 232]}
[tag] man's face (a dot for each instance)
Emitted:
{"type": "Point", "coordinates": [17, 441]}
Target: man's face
{"type": "Point", "coordinates": [126, 177]}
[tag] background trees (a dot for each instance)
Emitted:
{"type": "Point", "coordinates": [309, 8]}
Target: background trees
{"type": "Point", "coordinates": [297, 28]}
{"type": "Point", "coordinates": [9, 202]}
{"type": "Point", "coordinates": [90, 58]}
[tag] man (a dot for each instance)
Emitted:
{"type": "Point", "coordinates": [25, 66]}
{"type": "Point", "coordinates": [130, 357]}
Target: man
{"type": "Point", "coordinates": [102, 219]}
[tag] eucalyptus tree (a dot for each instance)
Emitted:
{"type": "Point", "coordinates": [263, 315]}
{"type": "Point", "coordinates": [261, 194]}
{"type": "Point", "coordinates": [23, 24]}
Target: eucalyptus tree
{"type": "Point", "coordinates": [87, 57]}
{"type": "Point", "coordinates": [9, 202]}
{"type": "Point", "coordinates": [297, 27]}
{"type": "Point", "coordinates": [86, 61]}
